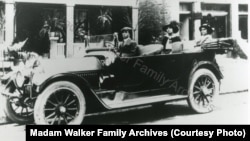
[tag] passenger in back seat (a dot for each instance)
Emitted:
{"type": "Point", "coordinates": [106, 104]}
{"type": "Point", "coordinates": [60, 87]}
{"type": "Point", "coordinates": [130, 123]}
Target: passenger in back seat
{"type": "Point", "coordinates": [206, 34]}
{"type": "Point", "coordinates": [170, 36]}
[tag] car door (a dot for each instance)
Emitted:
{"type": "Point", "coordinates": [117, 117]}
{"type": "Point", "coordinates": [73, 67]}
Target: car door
{"type": "Point", "coordinates": [126, 74]}
{"type": "Point", "coordinates": [148, 72]}
{"type": "Point", "coordinates": [161, 70]}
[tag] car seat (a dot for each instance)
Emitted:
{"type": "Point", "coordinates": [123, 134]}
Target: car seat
{"type": "Point", "coordinates": [177, 47]}
{"type": "Point", "coordinates": [151, 49]}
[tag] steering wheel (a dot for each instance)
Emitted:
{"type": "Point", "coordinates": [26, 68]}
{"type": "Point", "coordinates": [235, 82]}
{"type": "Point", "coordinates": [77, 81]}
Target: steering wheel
{"type": "Point", "coordinates": [109, 44]}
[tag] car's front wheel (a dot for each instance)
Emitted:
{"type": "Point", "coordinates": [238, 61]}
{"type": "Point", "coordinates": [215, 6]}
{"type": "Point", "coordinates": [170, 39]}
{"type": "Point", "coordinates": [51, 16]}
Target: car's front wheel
{"type": "Point", "coordinates": [202, 91]}
{"type": "Point", "coordinates": [17, 109]}
{"type": "Point", "coordinates": [61, 102]}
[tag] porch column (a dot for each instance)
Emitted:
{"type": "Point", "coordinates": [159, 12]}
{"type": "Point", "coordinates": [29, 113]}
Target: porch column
{"type": "Point", "coordinates": [70, 30]}
{"type": "Point", "coordinates": [135, 23]}
{"type": "Point", "coordinates": [9, 21]}
{"type": "Point", "coordinates": [197, 22]}
{"type": "Point", "coordinates": [235, 20]}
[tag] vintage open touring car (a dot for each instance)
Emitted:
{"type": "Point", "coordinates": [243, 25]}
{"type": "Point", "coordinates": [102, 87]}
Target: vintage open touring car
{"type": "Point", "coordinates": [65, 91]}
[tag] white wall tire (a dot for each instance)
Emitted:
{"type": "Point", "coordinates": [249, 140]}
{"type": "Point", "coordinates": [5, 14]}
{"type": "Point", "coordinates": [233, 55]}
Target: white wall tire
{"type": "Point", "coordinates": [61, 102]}
{"type": "Point", "coordinates": [202, 91]}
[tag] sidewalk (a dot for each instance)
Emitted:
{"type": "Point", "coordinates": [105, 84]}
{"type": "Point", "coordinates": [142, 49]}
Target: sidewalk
{"type": "Point", "coordinates": [235, 72]}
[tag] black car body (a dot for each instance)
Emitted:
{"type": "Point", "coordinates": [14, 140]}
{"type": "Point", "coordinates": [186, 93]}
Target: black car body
{"type": "Point", "coordinates": [67, 90]}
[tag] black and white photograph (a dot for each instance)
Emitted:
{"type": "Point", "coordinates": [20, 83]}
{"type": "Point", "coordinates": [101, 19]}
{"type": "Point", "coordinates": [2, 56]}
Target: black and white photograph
{"type": "Point", "coordinates": [123, 62]}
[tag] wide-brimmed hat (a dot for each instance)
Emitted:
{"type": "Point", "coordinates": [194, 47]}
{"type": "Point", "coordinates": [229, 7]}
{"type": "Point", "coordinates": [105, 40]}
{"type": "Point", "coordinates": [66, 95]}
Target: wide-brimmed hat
{"type": "Point", "coordinates": [173, 24]}
{"type": "Point", "coordinates": [208, 27]}
{"type": "Point", "coordinates": [126, 29]}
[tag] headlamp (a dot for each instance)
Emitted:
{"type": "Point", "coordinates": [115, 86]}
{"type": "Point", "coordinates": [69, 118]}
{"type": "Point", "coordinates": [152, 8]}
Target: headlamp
{"type": "Point", "coordinates": [19, 79]}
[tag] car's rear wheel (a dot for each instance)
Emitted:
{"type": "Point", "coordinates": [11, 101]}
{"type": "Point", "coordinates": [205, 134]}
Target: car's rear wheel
{"type": "Point", "coordinates": [202, 91]}
{"type": "Point", "coordinates": [61, 102]}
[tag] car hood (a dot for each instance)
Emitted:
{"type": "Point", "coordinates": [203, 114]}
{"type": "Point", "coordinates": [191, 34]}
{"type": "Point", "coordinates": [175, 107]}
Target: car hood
{"type": "Point", "coordinates": [51, 67]}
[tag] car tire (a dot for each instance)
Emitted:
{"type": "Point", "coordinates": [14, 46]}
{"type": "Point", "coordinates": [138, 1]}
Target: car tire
{"type": "Point", "coordinates": [202, 91]}
{"type": "Point", "coordinates": [17, 113]}
{"type": "Point", "coordinates": [61, 102]}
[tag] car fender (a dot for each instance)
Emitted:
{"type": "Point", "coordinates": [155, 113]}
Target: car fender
{"type": "Point", "coordinates": [90, 95]}
{"type": "Point", "coordinates": [213, 66]}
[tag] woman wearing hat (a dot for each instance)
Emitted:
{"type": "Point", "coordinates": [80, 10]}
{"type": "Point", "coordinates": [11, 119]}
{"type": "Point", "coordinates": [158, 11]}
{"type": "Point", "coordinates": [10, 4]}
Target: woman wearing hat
{"type": "Point", "coordinates": [170, 35]}
{"type": "Point", "coordinates": [206, 34]}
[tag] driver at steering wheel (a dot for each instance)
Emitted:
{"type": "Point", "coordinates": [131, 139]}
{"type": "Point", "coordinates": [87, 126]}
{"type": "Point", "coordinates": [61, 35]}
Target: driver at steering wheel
{"type": "Point", "coordinates": [128, 47]}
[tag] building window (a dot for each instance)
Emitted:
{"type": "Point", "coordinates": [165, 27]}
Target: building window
{"type": "Point", "coordinates": [38, 23]}
{"type": "Point", "coordinates": [243, 20]}
{"type": "Point", "coordinates": [214, 7]}
{"type": "Point", "coordinates": [217, 15]}
{"type": "Point", "coordinates": [243, 8]}
{"type": "Point", "coordinates": [98, 23]}
{"type": "Point", "coordinates": [56, 19]}
{"type": "Point", "coordinates": [81, 25]}
{"type": "Point", "coordinates": [186, 7]}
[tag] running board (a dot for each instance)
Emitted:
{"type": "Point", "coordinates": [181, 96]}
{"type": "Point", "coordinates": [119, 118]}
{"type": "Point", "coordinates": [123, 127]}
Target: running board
{"type": "Point", "coordinates": [142, 100]}
{"type": "Point", "coordinates": [100, 92]}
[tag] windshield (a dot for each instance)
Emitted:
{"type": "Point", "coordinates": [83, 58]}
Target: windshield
{"type": "Point", "coordinates": [99, 41]}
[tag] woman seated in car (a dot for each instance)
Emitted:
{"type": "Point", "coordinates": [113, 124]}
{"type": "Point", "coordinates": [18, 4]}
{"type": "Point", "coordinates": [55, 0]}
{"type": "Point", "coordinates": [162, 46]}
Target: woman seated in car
{"type": "Point", "coordinates": [170, 36]}
{"type": "Point", "coordinates": [206, 34]}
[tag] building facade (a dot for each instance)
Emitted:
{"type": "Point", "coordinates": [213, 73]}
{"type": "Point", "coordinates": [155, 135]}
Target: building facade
{"type": "Point", "coordinates": [70, 21]}
{"type": "Point", "coordinates": [76, 18]}
{"type": "Point", "coordinates": [229, 18]}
